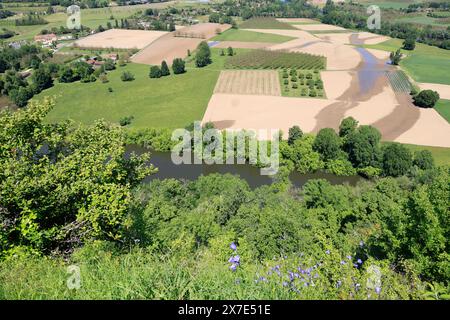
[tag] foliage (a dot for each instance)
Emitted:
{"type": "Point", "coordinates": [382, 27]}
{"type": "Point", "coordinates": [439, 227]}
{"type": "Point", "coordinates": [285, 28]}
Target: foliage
{"type": "Point", "coordinates": [426, 98]}
{"type": "Point", "coordinates": [328, 144]}
{"type": "Point", "coordinates": [155, 72]}
{"type": "Point", "coordinates": [397, 160]}
{"type": "Point", "coordinates": [164, 69]}
{"type": "Point", "coordinates": [127, 76]}
{"type": "Point", "coordinates": [395, 57]}
{"type": "Point", "coordinates": [203, 55]}
{"type": "Point", "coordinates": [178, 66]}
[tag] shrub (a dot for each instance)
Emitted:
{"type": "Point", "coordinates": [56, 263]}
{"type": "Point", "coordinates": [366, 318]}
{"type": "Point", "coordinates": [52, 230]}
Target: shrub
{"type": "Point", "coordinates": [294, 86]}
{"type": "Point", "coordinates": [295, 133]}
{"type": "Point", "coordinates": [178, 66]}
{"type": "Point", "coordinates": [127, 76]}
{"type": "Point", "coordinates": [327, 143]}
{"type": "Point", "coordinates": [426, 98]}
{"type": "Point", "coordinates": [348, 125]}
{"type": "Point", "coordinates": [125, 121]}
{"type": "Point", "coordinates": [286, 81]}
{"type": "Point", "coordinates": [155, 72]}
{"type": "Point", "coordinates": [164, 69]}
{"type": "Point", "coordinates": [312, 93]}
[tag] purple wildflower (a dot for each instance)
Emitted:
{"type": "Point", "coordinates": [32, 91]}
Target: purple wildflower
{"type": "Point", "coordinates": [349, 257]}
{"type": "Point", "coordinates": [361, 243]}
{"type": "Point", "coordinates": [233, 246]}
{"type": "Point", "coordinates": [338, 284]}
{"type": "Point", "coordinates": [233, 267]}
{"type": "Point", "coordinates": [327, 252]}
{"type": "Point", "coordinates": [359, 261]}
{"type": "Point", "coordinates": [377, 290]}
{"type": "Point", "coordinates": [285, 284]}
{"type": "Point", "coordinates": [343, 262]}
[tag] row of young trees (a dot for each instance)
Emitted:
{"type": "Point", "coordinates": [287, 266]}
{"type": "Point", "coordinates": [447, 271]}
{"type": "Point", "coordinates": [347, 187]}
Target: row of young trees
{"type": "Point", "coordinates": [178, 67]}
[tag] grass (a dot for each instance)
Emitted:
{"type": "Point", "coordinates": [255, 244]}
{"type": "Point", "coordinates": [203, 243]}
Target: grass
{"type": "Point", "coordinates": [265, 23]}
{"type": "Point", "coordinates": [169, 102]}
{"type": "Point", "coordinates": [250, 36]}
{"type": "Point", "coordinates": [386, 4]}
{"type": "Point", "coordinates": [423, 19]}
{"type": "Point", "coordinates": [424, 64]}
{"type": "Point", "coordinates": [443, 107]}
{"type": "Point", "coordinates": [441, 155]}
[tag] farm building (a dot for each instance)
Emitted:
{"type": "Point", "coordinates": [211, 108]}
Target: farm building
{"type": "Point", "coordinates": [46, 39]}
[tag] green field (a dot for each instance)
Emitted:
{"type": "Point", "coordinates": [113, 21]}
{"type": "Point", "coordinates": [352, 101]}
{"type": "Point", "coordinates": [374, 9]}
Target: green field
{"type": "Point", "coordinates": [443, 107]}
{"type": "Point", "coordinates": [91, 18]}
{"type": "Point", "coordinates": [169, 102]}
{"type": "Point", "coordinates": [423, 19]}
{"type": "Point", "coordinates": [250, 36]}
{"type": "Point", "coordinates": [396, 4]}
{"type": "Point", "coordinates": [424, 64]}
{"type": "Point", "coordinates": [441, 155]}
{"type": "Point", "coordinates": [265, 23]}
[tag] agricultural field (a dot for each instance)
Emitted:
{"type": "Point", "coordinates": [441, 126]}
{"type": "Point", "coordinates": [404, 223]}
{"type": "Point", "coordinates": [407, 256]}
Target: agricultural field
{"type": "Point", "coordinates": [424, 64]}
{"type": "Point", "coordinates": [258, 82]}
{"type": "Point", "coordinates": [250, 36]}
{"type": "Point", "coordinates": [301, 83]}
{"type": "Point", "coordinates": [425, 20]}
{"type": "Point", "coordinates": [387, 4]}
{"type": "Point", "coordinates": [168, 102]}
{"type": "Point", "coordinates": [443, 107]}
{"type": "Point", "coordinates": [399, 81]}
{"type": "Point", "coordinates": [265, 23]}
{"type": "Point", "coordinates": [265, 59]}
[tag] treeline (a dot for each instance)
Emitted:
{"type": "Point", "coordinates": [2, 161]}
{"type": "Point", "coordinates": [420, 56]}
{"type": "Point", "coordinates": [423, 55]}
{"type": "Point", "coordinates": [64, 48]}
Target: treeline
{"type": "Point", "coordinates": [30, 20]}
{"type": "Point", "coordinates": [213, 238]}
{"type": "Point", "coordinates": [5, 14]}
{"type": "Point", "coordinates": [353, 17]}
{"type": "Point", "coordinates": [414, 7]}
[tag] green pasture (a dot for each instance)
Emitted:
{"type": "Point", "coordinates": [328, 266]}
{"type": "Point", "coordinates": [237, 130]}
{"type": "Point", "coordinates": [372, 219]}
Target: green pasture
{"type": "Point", "coordinates": [250, 36]}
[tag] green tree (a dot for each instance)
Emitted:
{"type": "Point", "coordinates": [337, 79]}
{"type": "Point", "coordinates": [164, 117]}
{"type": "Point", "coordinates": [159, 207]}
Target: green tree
{"type": "Point", "coordinates": [327, 143]}
{"type": "Point", "coordinates": [20, 96]}
{"type": "Point", "coordinates": [155, 72]}
{"type": "Point", "coordinates": [423, 159]}
{"type": "Point", "coordinates": [409, 43]}
{"type": "Point", "coordinates": [348, 125]}
{"type": "Point", "coordinates": [397, 160]}
{"type": "Point", "coordinates": [294, 133]}
{"type": "Point", "coordinates": [363, 147]}
{"type": "Point", "coordinates": [42, 79]}
{"type": "Point", "coordinates": [79, 188]}
{"type": "Point", "coordinates": [109, 65]}
{"type": "Point", "coordinates": [203, 55]}
{"type": "Point", "coordinates": [178, 66]}
{"type": "Point", "coordinates": [230, 51]}
{"type": "Point", "coordinates": [127, 76]}
{"type": "Point", "coordinates": [396, 57]}
{"type": "Point", "coordinates": [426, 98]}
{"type": "Point", "coordinates": [164, 69]}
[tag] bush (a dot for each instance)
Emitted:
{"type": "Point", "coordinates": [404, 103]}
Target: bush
{"type": "Point", "coordinates": [347, 126]}
{"type": "Point", "coordinates": [164, 69]}
{"type": "Point", "coordinates": [294, 86]}
{"type": "Point", "coordinates": [312, 93]}
{"type": "Point", "coordinates": [286, 81]}
{"type": "Point", "coordinates": [426, 98]}
{"type": "Point", "coordinates": [178, 66]}
{"type": "Point", "coordinates": [127, 76]}
{"type": "Point", "coordinates": [295, 133]}
{"type": "Point", "coordinates": [203, 55]}
{"type": "Point", "coordinates": [327, 143]}
{"type": "Point", "coordinates": [125, 121]}
{"type": "Point", "coordinates": [409, 43]}
{"type": "Point", "coordinates": [155, 72]}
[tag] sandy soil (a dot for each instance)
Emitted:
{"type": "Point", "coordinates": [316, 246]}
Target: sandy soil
{"type": "Point", "coordinates": [244, 45]}
{"type": "Point", "coordinates": [371, 38]}
{"type": "Point", "coordinates": [342, 38]}
{"type": "Point", "coordinates": [300, 20]}
{"type": "Point", "coordinates": [317, 27]}
{"type": "Point", "coordinates": [120, 38]}
{"type": "Point", "coordinates": [379, 54]}
{"type": "Point", "coordinates": [202, 30]}
{"type": "Point", "coordinates": [353, 37]}
{"type": "Point", "coordinates": [442, 89]}
{"type": "Point", "coordinates": [262, 112]}
{"type": "Point", "coordinates": [336, 83]}
{"type": "Point", "coordinates": [259, 82]}
{"type": "Point", "coordinates": [430, 129]}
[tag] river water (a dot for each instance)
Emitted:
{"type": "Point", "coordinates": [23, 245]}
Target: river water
{"type": "Point", "coordinates": [167, 169]}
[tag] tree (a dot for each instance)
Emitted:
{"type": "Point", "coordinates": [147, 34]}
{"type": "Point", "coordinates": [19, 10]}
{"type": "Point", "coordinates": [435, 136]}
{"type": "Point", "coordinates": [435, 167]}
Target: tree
{"type": "Point", "coordinates": [109, 65]}
{"type": "Point", "coordinates": [20, 96]}
{"type": "Point", "coordinates": [363, 147]}
{"type": "Point", "coordinates": [423, 159]}
{"type": "Point", "coordinates": [426, 98]}
{"type": "Point", "coordinates": [127, 76]}
{"type": "Point", "coordinates": [66, 75]}
{"type": "Point", "coordinates": [42, 79]}
{"type": "Point", "coordinates": [203, 55]}
{"type": "Point", "coordinates": [70, 194]}
{"type": "Point", "coordinates": [155, 72]}
{"type": "Point", "coordinates": [409, 43]}
{"type": "Point", "coordinates": [178, 66]}
{"type": "Point", "coordinates": [230, 51]}
{"type": "Point", "coordinates": [395, 57]}
{"type": "Point", "coordinates": [348, 125]}
{"type": "Point", "coordinates": [327, 143]}
{"type": "Point", "coordinates": [164, 69]}
{"type": "Point", "coordinates": [397, 160]}
{"type": "Point", "coordinates": [294, 133]}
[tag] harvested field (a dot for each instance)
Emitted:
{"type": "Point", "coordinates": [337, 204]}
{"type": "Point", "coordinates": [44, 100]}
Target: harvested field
{"type": "Point", "coordinates": [265, 23]}
{"type": "Point", "coordinates": [169, 46]}
{"type": "Point", "coordinates": [268, 59]}
{"type": "Point", "coordinates": [336, 83]}
{"type": "Point", "coordinates": [298, 34]}
{"type": "Point", "coordinates": [243, 45]}
{"type": "Point", "coordinates": [259, 82]}
{"type": "Point", "coordinates": [318, 27]}
{"type": "Point", "coordinates": [120, 39]}
{"type": "Point", "coordinates": [201, 30]}
{"type": "Point", "coordinates": [298, 20]}
{"type": "Point", "coordinates": [360, 38]}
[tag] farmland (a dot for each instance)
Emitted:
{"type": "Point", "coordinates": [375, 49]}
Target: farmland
{"type": "Point", "coordinates": [265, 23]}
{"type": "Point", "coordinates": [443, 107]}
{"type": "Point", "coordinates": [424, 64]}
{"type": "Point", "coordinates": [250, 36]}
{"type": "Point", "coordinates": [259, 82]}
{"type": "Point", "coordinates": [399, 81]}
{"type": "Point", "coordinates": [169, 102]}
{"type": "Point", "coordinates": [301, 83]}
{"type": "Point", "coordinates": [265, 59]}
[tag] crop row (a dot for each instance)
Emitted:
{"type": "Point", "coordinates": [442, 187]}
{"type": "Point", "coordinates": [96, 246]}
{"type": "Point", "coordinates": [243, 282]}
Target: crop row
{"type": "Point", "coordinates": [266, 59]}
{"type": "Point", "coordinates": [399, 81]}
